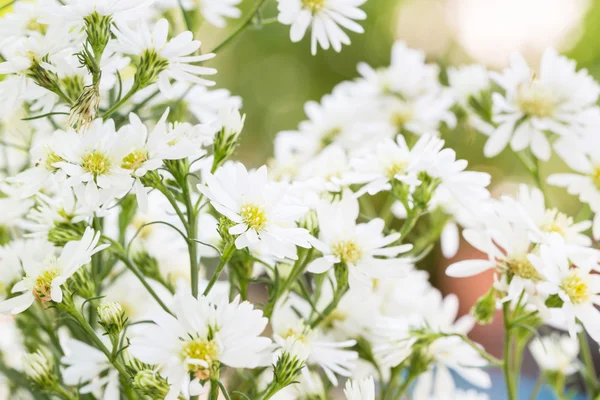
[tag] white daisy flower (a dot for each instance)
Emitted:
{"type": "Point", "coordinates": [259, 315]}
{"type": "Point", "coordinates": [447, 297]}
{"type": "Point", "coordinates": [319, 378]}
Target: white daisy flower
{"type": "Point", "coordinates": [467, 188]}
{"type": "Point", "coordinates": [50, 212]}
{"type": "Point", "coordinates": [148, 149]}
{"type": "Point", "coordinates": [200, 335]}
{"type": "Point", "coordinates": [363, 389]}
{"type": "Point", "coordinates": [87, 366]}
{"type": "Point", "coordinates": [577, 286]}
{"type": "Point", "coordinates": [560, 100]}
{"type": "Point", "coordinates": [584, 158]}
{"type": "Point", "coordinates": [360, 246]}
{"type": "Point", "coordinates": [333, 356]}
{"type": "Point", "coordinates": [44, 277]}
{"type": "Point", "coordinates": [468, 81]}
{"type": "Point", "coordinates": [167, 58]}
{"type": "Point", "coordinates": [95, 159]}
{"type": "Point", "coordinates": [75, 11]}
{"type": "Point", "coordinates": [390, 160]}
{"type": "Point", "coordinates": [259, 208]}
{"type": "Point", "coordinates": [326, 171]}
{"type": "Point", "coordinates": [556, 353]}
{"type": "Point", "coordinates": [530, 207]}
{"type": "Point", "coordinates": [325, 18]}
{"type": "Point", "coordinates": [450, 352]}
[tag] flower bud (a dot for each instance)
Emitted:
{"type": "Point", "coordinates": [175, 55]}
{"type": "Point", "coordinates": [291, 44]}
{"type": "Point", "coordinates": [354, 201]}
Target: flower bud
{"type": "Point", "coordinates": [310, 222]}
{"type": "Point", "coordinates": [290, 361]}
{"type": "Point", "coordinates": [223, 228]}
{"type": "Point", "coordinates": [485, 308]}
{"type": "Point", "coordinates": [65, 232]}
{"type": "Point", "coordinates": [39, 369]}
{"type": "Point", "coordinates": [85, 109]}
{"type": "Point", "coordinates": [97, 28]}
{"type": "Point", "coordinates": [83, 284]}
{"type": "Point", "coordinates": [111, 317]}
{"type": "Point", "coordinates": [151, 383]}
{"type": "Point", "coordinates": [226, 139]}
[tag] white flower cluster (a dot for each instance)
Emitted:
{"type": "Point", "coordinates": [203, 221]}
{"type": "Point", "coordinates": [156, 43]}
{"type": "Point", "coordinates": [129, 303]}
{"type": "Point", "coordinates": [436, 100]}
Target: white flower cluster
{"type": "Point", "coordinates": [136, 253]}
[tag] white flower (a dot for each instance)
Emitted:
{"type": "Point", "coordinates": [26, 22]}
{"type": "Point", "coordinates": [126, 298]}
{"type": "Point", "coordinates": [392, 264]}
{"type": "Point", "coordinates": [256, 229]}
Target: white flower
{"type": "Point", "coordinates": [94, 159]}
{"type": "Point", "coordinates": [577, 286]}
{"type": "Point", "coordinates": [556, 353]}
{"type": "Point", "coordinates": [175, 53]}
{"type": "Point", "coordinates": [468, 81]}
{"type": "Point", "coordinates": [560, 100]}
{"type": "Point", "coordinates": [395, 340]}
{"type": "Point", "coordinates": [259, 208]}
{"type": "Point", "coordinates": [85, 365]}
{"type": "Point", "coordinates": [44, 278]}
{"type": "Point", "coordinates": [215, 11]}
{"type": "Point", "coordinates": [147, 150]}
{"type": "Point", "coordinates": [361, 246]}
{"type": "Point", "coordinates": [13, 209]}
{"type": "Point", "coordinates": [360, 390]}
{"type": "Point", "coordinates": [332, 356]}
{"type": "Point", "coordinates": [326, 171]}
{"type": "Point", "coordinates": [325, 18]}
{"type": "Point", "coordinates": [584, 158]}
{"type": "Point", "coordinates": [408, 74]}
{"type": "Point", "coordinates": [390, 160]}
{"type": "Point", "coordinates": [76, 10]}
{"type": "Point", "coordinates": [530, 207]}
{"type": "Point", "coordinates": [200, 334]}
{"type": "Point", "coordinates": [467, 188]}
{"type": "Point", "coordinates": [51, 211]}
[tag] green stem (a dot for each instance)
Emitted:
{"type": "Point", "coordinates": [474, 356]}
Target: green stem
{"type": "Point", "coordinates": [134, 89]}
{"type": "Point", "coordinates": [192, 232]}
{"type": "Point", "coordinates": [186, 17]}
{"type": "Point", "coordinates": [71, 309]}
{"type": "Point", "coordinates": [214, 390]}
{"type": "Point", "coordinates": [297, 270]}
{"type": "Point", "coordinates": [588, 362]}
{"type": "Point", "coordinates": [510, 387]}
{"type": "Point", "coordinates": [409, 223]}
{"type": "Point", "coordinates": [536, 388]}
{"type": "Point", "coordinates": [142, 279]}
{"type": "Point", "coordinates": [225, 257]}
{"type": "Point", "coordinates": [490, 358]}
{"type": "Point", "coordinates": [271, 390]}
{"type": "Point", "coordinates": [245, 22]}
{"type": "Point", "coordinates": [341, 274]}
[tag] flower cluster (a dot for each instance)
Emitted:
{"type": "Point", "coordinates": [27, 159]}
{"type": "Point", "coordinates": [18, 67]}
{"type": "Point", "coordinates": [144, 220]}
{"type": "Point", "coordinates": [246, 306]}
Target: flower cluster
{"type": "Point", "coordinates": [139, 260]}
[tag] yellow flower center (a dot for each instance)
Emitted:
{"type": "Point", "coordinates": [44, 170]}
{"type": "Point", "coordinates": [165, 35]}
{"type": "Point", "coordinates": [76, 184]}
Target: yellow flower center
{"type": "Point", "coordinates": [43, 283]}
{"type": "Point", "coordinates": [556, 222]}
{"type": "Point", "coordinates": [33, 25]}
{"type": "Point", "coordinates": [313, 5]}
{"type": "Point", "coordinates": [51, 158]}
{"type": "Point", "coordinates": [596, 177]}
{"type": "Point", "coordinates": [396, 168]}
{"type": "Point", "coordinates": [200, 349]}
{"type": "Point", "coordinates": [523, 269]}
{"type": "Point", "coordinates": [348, 250]}
{"type": "Point", "coordinates": [535, 100]}
{"type": "Point", "coordinates": [134, 159]}
{"type": "Point", "coordinates": [335, 316]}
{"type": "Point", "coordinates": [96, 163]}
{"type": "Point", "coordinates": [576, 288]}
{"type": "Point", "coordinates": [401, 117]}
{"type": "Point", "coordinates": [254, 216]}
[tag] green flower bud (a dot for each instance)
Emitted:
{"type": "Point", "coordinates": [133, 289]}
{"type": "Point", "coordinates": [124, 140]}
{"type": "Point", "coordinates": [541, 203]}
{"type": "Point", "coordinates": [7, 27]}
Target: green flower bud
{"type": "Point", "coordinates": [111, 317]}
{"type": "Point", "coordinates": [64, 232]}
{"type": "Point", "coordinates": [151, 383]}
{"type": "Point", "coordinates": [485, 308]}
{"type": "Point", "coordinates": [39, 369]}
{"type": "Point", "coordinates": [290, 362]}
{"type": "Point", "coordinates": [148, 68]}
{"type": "Point", "coordinates": [223, 228]}
{"type": "Point", "coordinates": [83, 284]}
{"type": "Point", "coordinates": [226, 140]}
{"type": "Point", "coordinates": [97, 28]}
{"type": "Point", "coordinates": [310, 222]}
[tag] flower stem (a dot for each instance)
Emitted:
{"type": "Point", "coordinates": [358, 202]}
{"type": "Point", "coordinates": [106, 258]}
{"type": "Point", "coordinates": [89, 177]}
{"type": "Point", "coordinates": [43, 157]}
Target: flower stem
{"type": "Point", "coordinates": [510, 386]}
{"type": "Point", "coordinates": [134, 89]}
{"type": "Point", "coordinates": [245, 22]}
{"type": "Point", "coordinates": [588, 362]}
{"type": "Point", "coordinates": [225, 257]}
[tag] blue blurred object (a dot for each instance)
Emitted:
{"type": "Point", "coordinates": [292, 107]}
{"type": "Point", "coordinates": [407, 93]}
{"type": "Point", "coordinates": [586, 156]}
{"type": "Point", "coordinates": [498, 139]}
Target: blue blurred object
{"type": "Point", "coordinates": [498, 391]}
